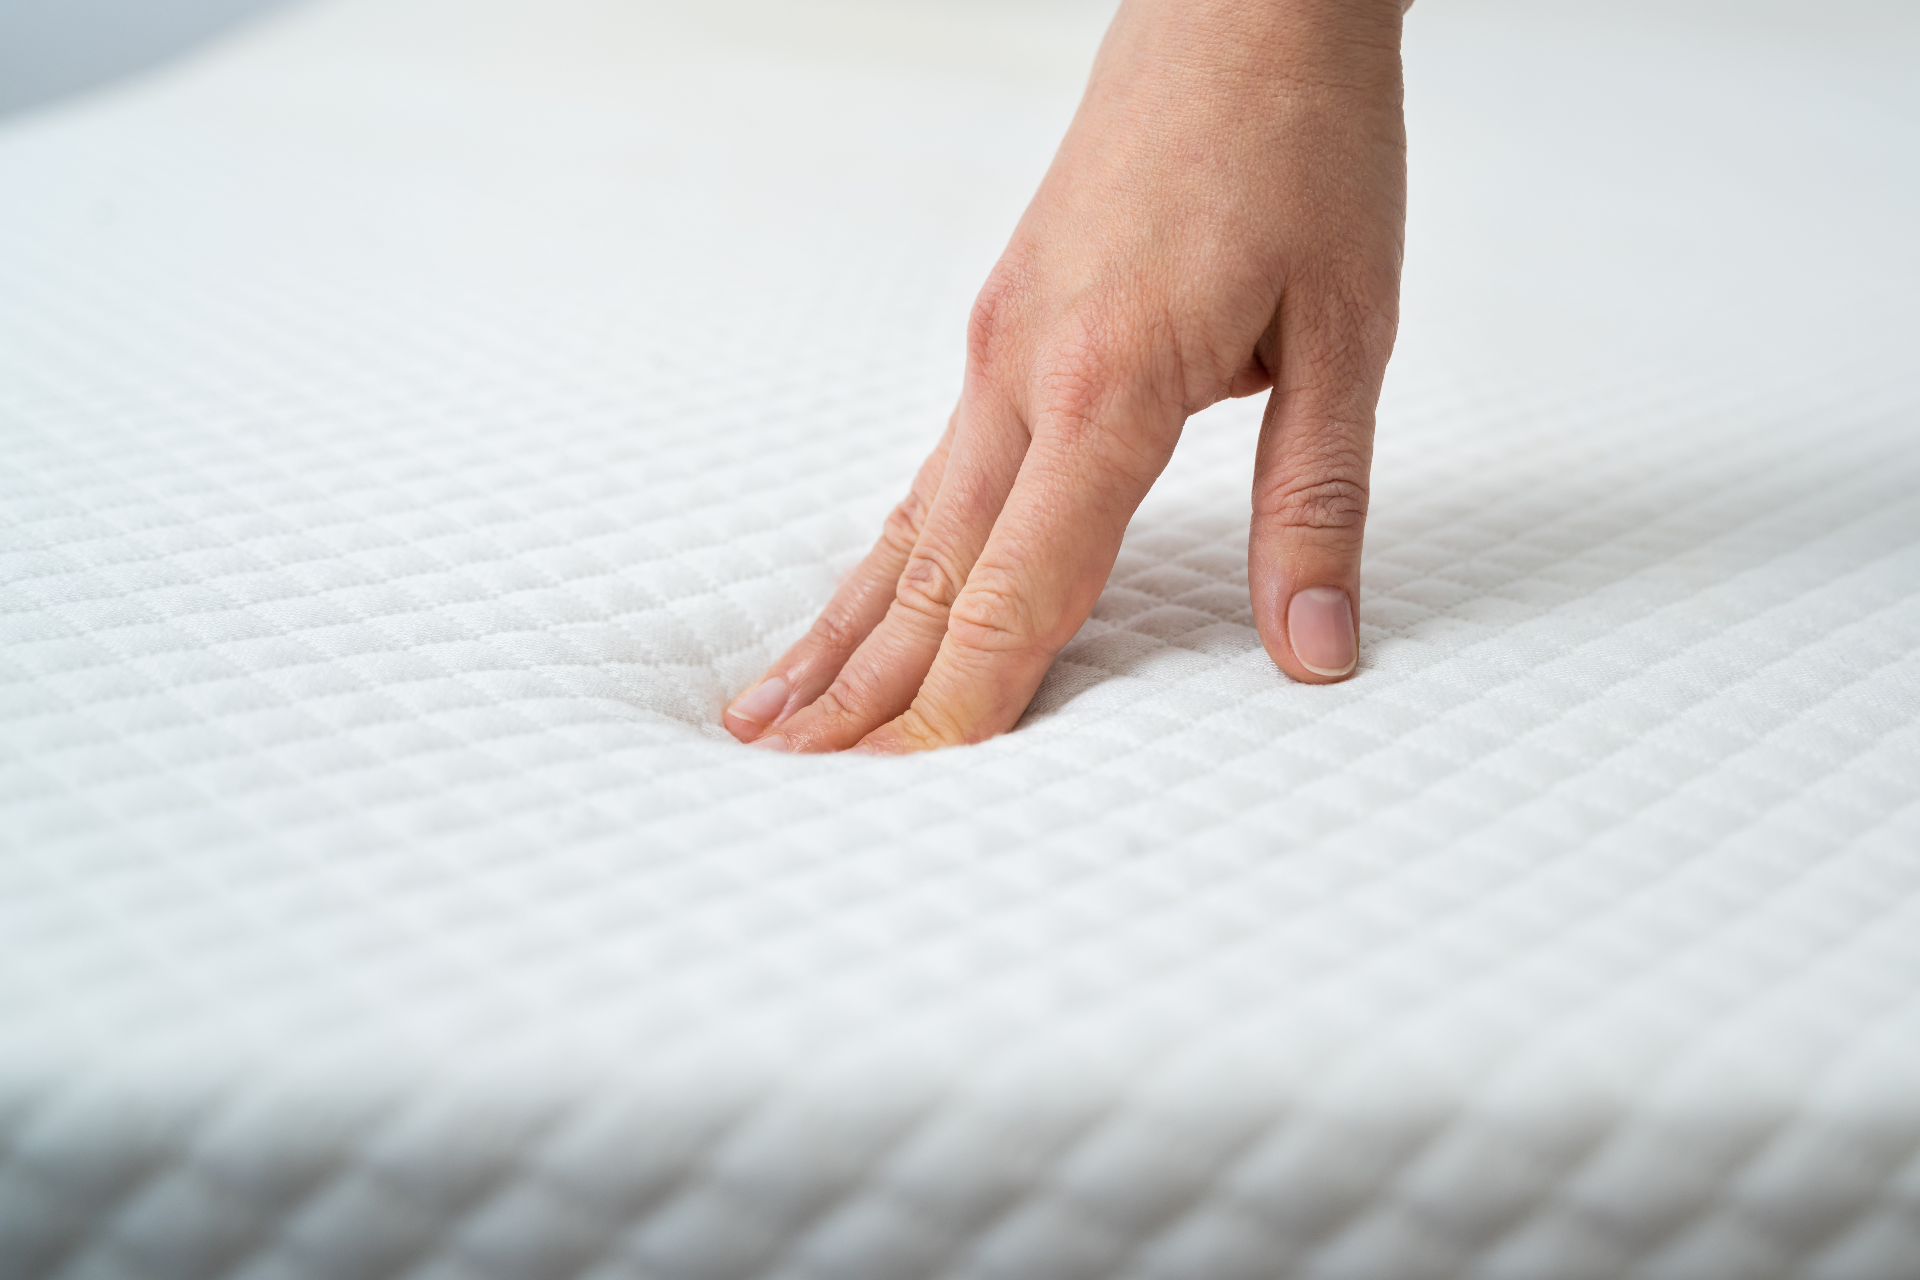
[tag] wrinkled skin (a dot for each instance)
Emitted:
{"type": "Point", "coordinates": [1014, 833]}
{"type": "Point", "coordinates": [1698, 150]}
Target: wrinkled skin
{"type": "Point", "coordinates": [1224, 217]}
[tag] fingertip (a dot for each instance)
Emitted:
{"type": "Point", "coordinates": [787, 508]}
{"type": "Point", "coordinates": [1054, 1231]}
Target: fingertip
{"type": "Point", "coordinates": [757, 710]}
{"type": "Point", "coordinates": [1321, 632]}
{"type": "Point", "coordinates": [1312, 634]}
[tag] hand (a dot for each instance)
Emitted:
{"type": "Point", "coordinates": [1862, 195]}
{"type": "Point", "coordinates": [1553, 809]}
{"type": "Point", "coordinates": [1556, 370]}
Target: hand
{"type": "Point", "coordinates": [1225, 216]}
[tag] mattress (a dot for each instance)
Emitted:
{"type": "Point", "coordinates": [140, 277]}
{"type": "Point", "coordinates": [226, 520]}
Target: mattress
{"type": "Point", "coordinates": [420, 417]}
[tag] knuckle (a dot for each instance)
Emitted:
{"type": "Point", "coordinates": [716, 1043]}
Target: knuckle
{"type": "Point", "coordinates": [840, 703]}
{"type": "Point", "coordinates": [991, 618]}
{"type": "Point", "coordinates": [982, 322]}
{"type": "Point", "coordinates": [902, 526]}
{"type": "Point", "coordinates": [929, 584]}
{"type": "Point", "coordinates": [1317, 498]}
{"type": "Point", "coordinates": [1082, 367]}
{"type": "Point", "coordinates": [834, 631]}
{"type": "Point", "coordinates": [1358, 319]}
{"type": "Point", "coordinates": [1113, 395]}
{"type": "Point", "coordinates": [993, 311]}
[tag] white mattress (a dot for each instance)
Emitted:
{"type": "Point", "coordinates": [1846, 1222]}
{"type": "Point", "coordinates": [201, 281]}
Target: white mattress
{"type": "Point", "coordinates": [419, 417]}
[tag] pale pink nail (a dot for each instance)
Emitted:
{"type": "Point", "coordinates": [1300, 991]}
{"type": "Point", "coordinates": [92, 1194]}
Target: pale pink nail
{"type": "Point", "coordinates": [760, 704]}
{"type": "Point", "coordinates": [772, 742]}
{"type": "Point", "coordinates": [1320, 627]}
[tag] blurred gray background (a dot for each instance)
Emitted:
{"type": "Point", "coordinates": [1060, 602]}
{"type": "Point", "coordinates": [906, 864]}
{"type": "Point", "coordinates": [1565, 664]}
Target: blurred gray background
{"type": "Point", "coordinates": [52, 48]}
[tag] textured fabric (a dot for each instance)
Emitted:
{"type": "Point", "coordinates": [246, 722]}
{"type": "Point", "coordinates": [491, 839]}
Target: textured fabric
{"type": "Point", "coordinates": [419, 418]}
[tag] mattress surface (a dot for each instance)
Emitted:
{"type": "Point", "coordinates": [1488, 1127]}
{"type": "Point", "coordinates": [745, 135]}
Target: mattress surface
{"type": "Point", "coordinates": [418, 419]}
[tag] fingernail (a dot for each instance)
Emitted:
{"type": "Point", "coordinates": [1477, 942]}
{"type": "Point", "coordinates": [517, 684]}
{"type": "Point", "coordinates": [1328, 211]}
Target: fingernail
{"type": "Point", "coordinates": [1320, 628]}
{"type": "Point", "coordinates": [772, 742]}
{"type": "Point", "coordinates": [760, 704]}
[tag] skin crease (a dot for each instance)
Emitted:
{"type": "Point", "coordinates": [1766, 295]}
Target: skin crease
{"type": "Point", "coordinates": [1225, 217]}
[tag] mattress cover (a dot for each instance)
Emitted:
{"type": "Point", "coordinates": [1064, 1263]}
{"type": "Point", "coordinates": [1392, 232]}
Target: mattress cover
{"type": "Point", "coordinates": [418, 419]}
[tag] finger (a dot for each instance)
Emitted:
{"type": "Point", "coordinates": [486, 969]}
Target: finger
{"type": "Point", "coordinates": [804, 671]}
{"type": "Point", "coordinates": [1310, 483]}
{"type": "Point", "coordinates": [879, 680]}
{"type": "Point", "coordinates": [1037, 579]}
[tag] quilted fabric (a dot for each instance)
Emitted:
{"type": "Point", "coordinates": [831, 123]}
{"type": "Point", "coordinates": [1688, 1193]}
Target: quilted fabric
{"type": "Point", "coordinates": [419, 417]}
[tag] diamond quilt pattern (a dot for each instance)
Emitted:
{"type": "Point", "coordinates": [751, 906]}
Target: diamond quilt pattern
{"type": "Point", "coordinates": [419, 417]}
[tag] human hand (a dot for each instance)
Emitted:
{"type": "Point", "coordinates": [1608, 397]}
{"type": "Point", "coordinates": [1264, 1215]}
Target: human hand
{"type": "Point", "coordinates": [1225, 216]}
